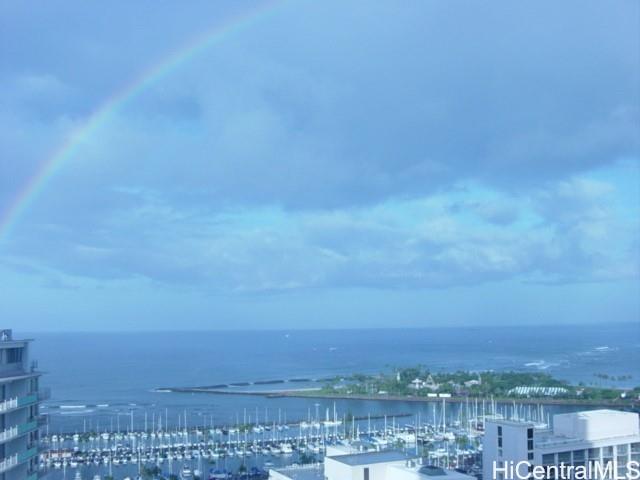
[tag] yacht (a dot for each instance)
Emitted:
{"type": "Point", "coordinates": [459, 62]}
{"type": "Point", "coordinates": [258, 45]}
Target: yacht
{"type": "Point", "coordinates": [186, 473]}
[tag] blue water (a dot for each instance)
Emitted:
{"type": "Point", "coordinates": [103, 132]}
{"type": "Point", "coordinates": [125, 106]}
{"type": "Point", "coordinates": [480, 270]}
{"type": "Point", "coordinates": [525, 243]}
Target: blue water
{"type": "Point", "coordinates": [122, 369]}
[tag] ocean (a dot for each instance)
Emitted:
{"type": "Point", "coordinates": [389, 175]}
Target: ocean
{"type": "Point", "coordinates": [98, 380]}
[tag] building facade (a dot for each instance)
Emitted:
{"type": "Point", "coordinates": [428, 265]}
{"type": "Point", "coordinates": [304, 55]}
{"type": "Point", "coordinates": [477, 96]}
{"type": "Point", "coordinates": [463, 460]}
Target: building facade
{"type": "Point", "coordinates": [581, 439]}
{"type": "Point", "coordinates": [20, 420]}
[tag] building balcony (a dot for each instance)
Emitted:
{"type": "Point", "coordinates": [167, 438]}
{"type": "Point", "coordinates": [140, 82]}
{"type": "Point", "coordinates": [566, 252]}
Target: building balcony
{"type": "Point", "coordinates": [28, 454]}
{"type": "Point", "coordinates": [24, 401]}
{"type": "Point", "coordinates": [8, 404]}
{"type": "Point", "coordinates": [19, 402]}
{"type": "Point", "coordinates": [27, 400]}
{"type": "Point", "coordinates": [8, 463]}
{"type": "Point", "coordinates": [8, 434]}
{"type": "Point", "coordinates": [17, 431]}
{"type": "Point", "coordinates": [28, 427]}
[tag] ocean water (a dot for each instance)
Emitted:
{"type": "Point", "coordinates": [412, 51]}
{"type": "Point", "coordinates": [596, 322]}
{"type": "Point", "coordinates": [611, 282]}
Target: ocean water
{"type": "Point", "coordinates": [97, 379]}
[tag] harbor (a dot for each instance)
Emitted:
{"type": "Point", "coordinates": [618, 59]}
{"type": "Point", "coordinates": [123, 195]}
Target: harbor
{"type": "Point", "coordinates": [153, 444]}
{"type": "Point", "coordinates": [250, 449]}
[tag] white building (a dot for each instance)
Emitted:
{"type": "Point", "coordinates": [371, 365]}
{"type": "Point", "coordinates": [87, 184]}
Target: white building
{"type": "Point", "coordinates": [577, 439]}
{"type": "Point", "coordinates": [19, 410]}
{"type": "Point", "coordinates": [537, 391]}
{"type": "Point", "coordinates": [384, 465]}
{"type": "Point", "coordinates": [417, 384]}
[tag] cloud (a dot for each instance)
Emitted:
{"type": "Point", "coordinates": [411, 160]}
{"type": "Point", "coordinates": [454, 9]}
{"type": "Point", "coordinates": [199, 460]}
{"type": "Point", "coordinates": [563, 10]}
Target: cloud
{"type": "Point", "coordinates": [563, 233]}
{"type": "Point", "coordinates": [401, 102]}
{"type": "Point", "coordinates": [327, 146]}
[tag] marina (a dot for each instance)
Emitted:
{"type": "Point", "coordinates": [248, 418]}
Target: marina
{"type": "Point", "coordinates": [445, 435]}
{"type": "Point", "coordinates": [221, 451]}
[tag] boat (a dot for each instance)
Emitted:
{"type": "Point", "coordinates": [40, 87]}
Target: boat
{"type": "Point", "coordinates": [219, 475]}
{"type": "Point", "coordinates": [186, 473]}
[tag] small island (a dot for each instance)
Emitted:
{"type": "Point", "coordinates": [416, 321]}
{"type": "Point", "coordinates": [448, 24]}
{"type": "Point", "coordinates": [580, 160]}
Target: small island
{"type": "Point", "coordinates": [418, 383]}
{"type": "Point", "coordinates": [421, 384]}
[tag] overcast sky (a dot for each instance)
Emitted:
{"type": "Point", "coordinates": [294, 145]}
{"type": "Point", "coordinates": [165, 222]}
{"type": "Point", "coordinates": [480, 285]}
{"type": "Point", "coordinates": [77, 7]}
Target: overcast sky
{"type": "Point", "coordinates": [325, 164]}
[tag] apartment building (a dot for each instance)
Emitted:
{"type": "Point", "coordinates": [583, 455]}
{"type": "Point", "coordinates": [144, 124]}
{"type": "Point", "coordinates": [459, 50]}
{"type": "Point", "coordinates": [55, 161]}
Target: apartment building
{"type": "Point", "coordinates": [20, 421]}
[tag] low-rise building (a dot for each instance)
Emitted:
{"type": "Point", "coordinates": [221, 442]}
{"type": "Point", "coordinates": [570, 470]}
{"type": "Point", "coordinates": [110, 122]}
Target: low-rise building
{"type": "Point", "coordinates": [528, 391]}
{"type": "Point", "coordinates": [382, 465]}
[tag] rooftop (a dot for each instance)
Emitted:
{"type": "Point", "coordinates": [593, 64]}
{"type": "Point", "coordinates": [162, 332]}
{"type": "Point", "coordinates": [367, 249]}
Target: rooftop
{"type": "Point", "coordinates": [596, 424]}
{"type": "Point", "coordinates": [429, 471]}
{"type": "Point", "coordinates": [7, 340]}
{"type": "Point", "coordinates": [307, 472]}
{"type": "Point", "coordinates": [507, 421]}
{"type": "Point", "coordinates": [603, 414]}
{"type": "Point", "coordinates": [432, 471]}
{"type": "Point", "coordinates": [368, 458]}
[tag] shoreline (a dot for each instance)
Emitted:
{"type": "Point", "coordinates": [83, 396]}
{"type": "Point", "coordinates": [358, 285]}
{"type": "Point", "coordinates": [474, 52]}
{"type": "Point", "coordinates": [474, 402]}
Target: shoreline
{"type": "Point", "coordinates": [313, 393]}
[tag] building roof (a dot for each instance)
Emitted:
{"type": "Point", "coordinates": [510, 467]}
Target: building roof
{"type": "Point", "coordinates": [594, 425]}
{"type": "Point", "coordinates": [368, 458]}
{"type": "Point", "coordinates": [432, 471]}
{"type": "Point", "coordinates": [603, 413]}
{"type": "Point", "coordinates": [310, 472]}
{"type": "Point", "coordinates": [506, 421]}
{"type": "Point", "coordinates": [427, 472]}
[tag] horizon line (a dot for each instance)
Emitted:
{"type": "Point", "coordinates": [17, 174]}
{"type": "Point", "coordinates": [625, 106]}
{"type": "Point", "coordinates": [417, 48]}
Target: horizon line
{"type": "Point", "coordinates": [317, 329]}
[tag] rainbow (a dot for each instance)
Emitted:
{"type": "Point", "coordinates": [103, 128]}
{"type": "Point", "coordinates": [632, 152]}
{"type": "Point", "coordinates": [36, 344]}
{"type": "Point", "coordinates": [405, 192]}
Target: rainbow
{"type": "Point", "coordinates": [27, 195]}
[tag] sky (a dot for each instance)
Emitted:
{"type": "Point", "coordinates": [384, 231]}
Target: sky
{"type": "Point", "coordinates": [318, 164]}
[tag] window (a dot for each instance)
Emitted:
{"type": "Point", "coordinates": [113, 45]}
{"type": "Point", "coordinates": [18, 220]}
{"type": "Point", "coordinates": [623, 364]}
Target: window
{"type": "Point", "coordinates": [499, 441]}
{"type": "Point", "coordinates": [530, 456]}
{"type": "Point", "coordinates": [529, 432]}
{"type": "Point", "coordinates": [529, 444]}
{"type": "Point", "coordinates": [14, 355]}
{"type": "Point", "coordinates": [548, 459]}
{"type": "Point", "coordinates": [564, 457]}
{"type": "Point", "coordinates": [499, 430]}
{"type": "Point", "coordinates": [366, 473]}
{"type": "Point", "coordinates": [622, 454]}
{"type": "Point", "coordinates": [635, 452]}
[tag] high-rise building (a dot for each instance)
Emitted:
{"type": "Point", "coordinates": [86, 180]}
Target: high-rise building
{"type": "Point", "coordinates": [580, 439]}
{"type": "Point", "coordinates": [20, 420]}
